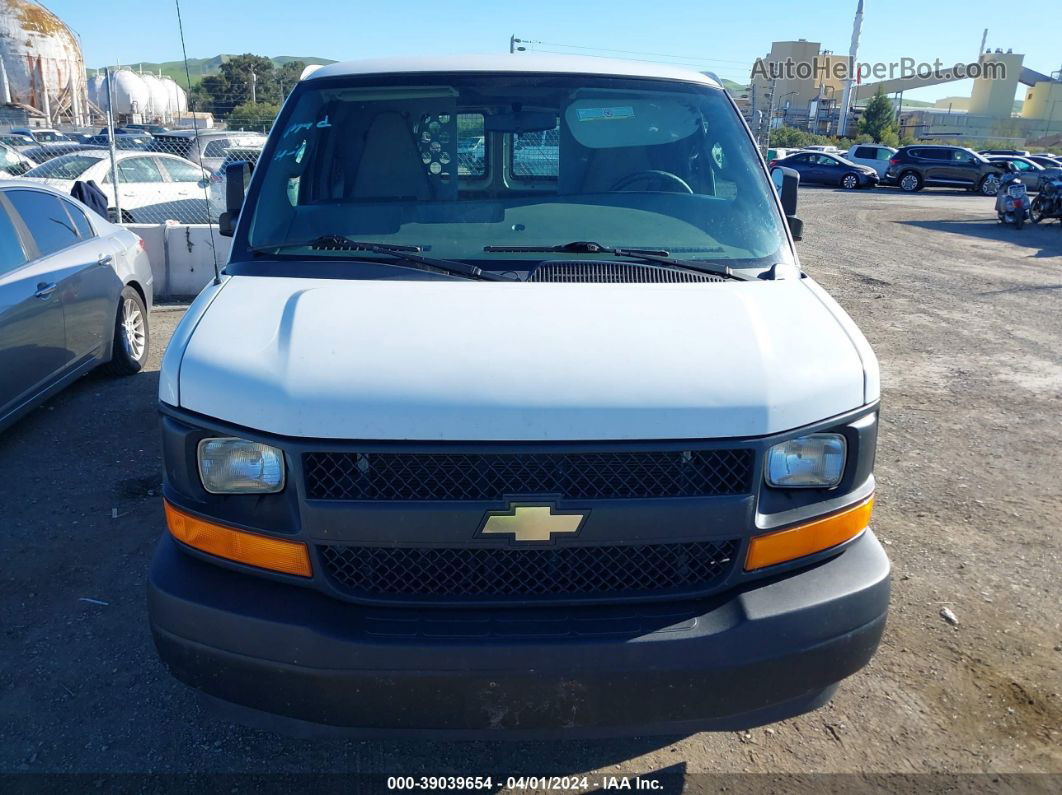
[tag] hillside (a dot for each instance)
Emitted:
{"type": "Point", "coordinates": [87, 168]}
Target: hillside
{"type": "Point", "coordinates": [201, 67]}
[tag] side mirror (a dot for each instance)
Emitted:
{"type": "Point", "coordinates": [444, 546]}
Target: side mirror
{"type": "Point", "coordinates": [237, 175]}
{"type": "Point", "coordinates": [786, 181]}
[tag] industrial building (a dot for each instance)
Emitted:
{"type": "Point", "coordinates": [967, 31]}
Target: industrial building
{"type": "Point", "coordinates": [813, 100]}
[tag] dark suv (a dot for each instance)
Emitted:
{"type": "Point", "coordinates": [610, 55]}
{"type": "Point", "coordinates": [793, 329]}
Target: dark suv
{"type": "Point", "coordinates": [915, 167]}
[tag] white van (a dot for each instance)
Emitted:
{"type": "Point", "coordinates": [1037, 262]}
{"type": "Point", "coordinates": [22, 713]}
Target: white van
{"type": "Point", "coordinates": [553, 443]}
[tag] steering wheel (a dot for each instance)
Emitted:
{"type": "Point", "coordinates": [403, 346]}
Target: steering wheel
{"type": "Point", "coordinates": [650, 175]}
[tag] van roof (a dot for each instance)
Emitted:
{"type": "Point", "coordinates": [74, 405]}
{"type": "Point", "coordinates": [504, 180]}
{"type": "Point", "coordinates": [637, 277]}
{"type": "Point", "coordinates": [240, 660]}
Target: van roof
{"type": "Point", "coordinates": [521, 63]}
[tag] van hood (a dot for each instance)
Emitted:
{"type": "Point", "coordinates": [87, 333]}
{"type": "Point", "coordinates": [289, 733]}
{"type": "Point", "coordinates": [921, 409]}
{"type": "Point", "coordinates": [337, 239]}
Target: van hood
{"type": "Point", "coordinates": [464, 360]}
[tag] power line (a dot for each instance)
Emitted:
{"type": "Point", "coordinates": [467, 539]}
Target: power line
{"type": "Point", "coordinates": [700, 65]}
{"type": "Point", "coordinates": [696, 58]}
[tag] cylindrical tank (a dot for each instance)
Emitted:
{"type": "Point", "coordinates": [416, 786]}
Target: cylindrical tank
{"type": "Point", "coordinates": [158, 97]}
{"type": "Point", "coordinates": [42, 62]}
{"type": "Point", "coordinates": [130, 94]}
{"type": "Point", "coordinates": [177, 100]}
{"type": "Point", "coordinates": [95, 94]}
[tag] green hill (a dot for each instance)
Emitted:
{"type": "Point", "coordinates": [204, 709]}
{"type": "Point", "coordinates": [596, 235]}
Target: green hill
{"type": "Point", "coordinates": [201, 67]}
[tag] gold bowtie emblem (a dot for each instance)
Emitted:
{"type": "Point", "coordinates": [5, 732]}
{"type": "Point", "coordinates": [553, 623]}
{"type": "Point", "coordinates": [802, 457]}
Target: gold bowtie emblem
{"type": "Point", "coordinates": [531, 522]}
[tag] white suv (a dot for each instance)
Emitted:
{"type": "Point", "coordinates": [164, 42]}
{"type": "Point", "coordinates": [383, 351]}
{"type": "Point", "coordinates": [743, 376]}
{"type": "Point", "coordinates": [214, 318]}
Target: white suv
{"type": "Point", "coordinates": [571, 449]}
{"type": "Point", "coordinates": [874, 155]}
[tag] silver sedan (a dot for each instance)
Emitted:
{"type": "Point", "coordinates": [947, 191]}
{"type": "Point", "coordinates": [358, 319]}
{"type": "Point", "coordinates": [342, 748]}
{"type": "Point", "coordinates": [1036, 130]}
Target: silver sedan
{"type": "Point", "coordinates": [75, 292]}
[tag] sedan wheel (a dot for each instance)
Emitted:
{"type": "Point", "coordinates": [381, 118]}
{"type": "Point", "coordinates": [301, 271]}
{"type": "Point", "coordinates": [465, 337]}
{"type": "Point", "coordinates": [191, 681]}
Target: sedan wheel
{"type": "Point", "coordinates": [850, 182]}
{"type": "Point", "coordinates": [134, 337]}
{"type": "Point", "coordinates": [131, 335]}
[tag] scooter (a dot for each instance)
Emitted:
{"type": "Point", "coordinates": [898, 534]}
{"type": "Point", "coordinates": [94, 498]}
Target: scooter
{"type": "Point", "coordinates": [1012, 202]}
{"type": "Point", "coordinates": [1048, 202]}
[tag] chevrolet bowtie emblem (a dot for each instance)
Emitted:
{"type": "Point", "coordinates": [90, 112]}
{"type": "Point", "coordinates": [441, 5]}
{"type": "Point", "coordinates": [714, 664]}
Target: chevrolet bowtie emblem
{"type": "Point", "coordinates": [532, 522]}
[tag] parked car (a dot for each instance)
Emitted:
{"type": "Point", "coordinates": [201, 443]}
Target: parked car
{"type": "Point", "coordinates": [75, 292]}
{"type": "Point", "coordinates": [217, 179]}
{"type": "Point", "coordinates": [1031, 173]}
{"type": "Point", "coordinates": [129, 140]}
{"type": "Point", "coordinates": [13, 161]}
{"type": "Point", "coordinates": [45, 152]}
{"type": "Point", "coordinates": [921, 166]}
{"type": "Point", "coordinates": [820, 168]}
{"type": "Point", "coordinates": [464, 457]}
{"type": "Point", "coordinates": [780, 153]}
{"type": "Point", "coordinates": [208, 149]}
{"type": "Point", "coordinates": [876, 156]}
{"type": "Point", "coordinates": [1020, 152]}
{"type": "Point", "coordinates": [16, 140]}
{"type": "Point", "coordinates": [153, 187]}
{"type": "Point", "coordinates": [80, 137]}
{"type": "Point", "coordinates": [154, 129]}
{"type": "Point", "coordinates": [42, 135]}
{"type": "Point", "coordinates": [1047, 161]}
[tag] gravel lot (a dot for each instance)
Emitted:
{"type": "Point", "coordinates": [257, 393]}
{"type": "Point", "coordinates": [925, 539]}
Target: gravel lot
{"type": "Point", "coordinates": [966, 317]}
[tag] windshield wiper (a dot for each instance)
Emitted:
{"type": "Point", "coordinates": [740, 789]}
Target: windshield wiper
{"type": "Point", "coordinates": [401, 252]}
{"type": "Point", "coordinates": [661, 256]}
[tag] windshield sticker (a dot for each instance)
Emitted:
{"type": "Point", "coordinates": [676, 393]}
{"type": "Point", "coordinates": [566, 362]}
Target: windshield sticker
{"type": "Point", "coordinates": [605, 114]}
{"type": "Point", "coordinates": [307, 125]}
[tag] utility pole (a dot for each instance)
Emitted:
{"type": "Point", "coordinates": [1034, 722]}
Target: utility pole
{"type": "Point", "coordinates": [770, 112]}
{"type": "Point", "coordinates": [512, 44]}
{"type": "Point", "coordinates": [254, 86]}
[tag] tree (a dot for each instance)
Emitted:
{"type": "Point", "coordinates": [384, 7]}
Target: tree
{"type": "Point", "coordinates": [878, 117]}
{"type": "Point", "coordinates": [231, 87]}
{"type": "Point", "coordinates": [257, 117]}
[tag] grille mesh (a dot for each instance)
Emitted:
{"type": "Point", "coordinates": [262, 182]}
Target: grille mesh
{"type": "Point", "coordinates": [615, 273]}
{"type": "Point", "coordinates": [496, 476]}
{"type": "Point", "coordinates": [558, 572]}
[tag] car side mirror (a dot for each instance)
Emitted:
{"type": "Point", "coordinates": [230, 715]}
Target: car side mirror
{"type": "Point", "coordinates": [237, 176]}
{"type": "Point", "coordinates": [786, 181]}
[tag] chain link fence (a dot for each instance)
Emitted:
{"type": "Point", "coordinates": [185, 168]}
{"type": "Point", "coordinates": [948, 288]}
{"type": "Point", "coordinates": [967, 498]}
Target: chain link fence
{"type": "Point", "coordinates": [150, 177]}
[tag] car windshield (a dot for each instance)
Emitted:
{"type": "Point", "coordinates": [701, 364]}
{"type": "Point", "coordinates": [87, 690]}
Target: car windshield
{"type": "Point", "coordinates": [456, 163]}
{"type": "Point", "coordinates": [64, 167]}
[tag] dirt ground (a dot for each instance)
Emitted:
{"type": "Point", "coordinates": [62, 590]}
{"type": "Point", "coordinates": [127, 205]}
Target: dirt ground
{"type": "Point", "coordinates": [966, 318]}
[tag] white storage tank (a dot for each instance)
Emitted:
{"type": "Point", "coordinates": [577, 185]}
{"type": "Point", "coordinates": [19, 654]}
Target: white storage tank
{"type": "Point", "coordinates": [41, 63]}
{"type": "Point", "coordinates": [95, 93]}
{"type": "Point", "coordinates": [130, 94]}
{"type": "Point", "coordinates": [177, 99]}
{"type": "Point", "coordinates": [158, 97]}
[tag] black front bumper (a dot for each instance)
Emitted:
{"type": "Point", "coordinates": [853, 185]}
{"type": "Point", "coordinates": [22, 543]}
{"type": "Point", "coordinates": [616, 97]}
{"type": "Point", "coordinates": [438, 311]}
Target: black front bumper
{"type": "Point", "coordinates": [766, 651]}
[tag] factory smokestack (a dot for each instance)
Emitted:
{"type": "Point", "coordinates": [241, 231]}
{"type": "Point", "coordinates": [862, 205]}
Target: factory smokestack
{"type": "Point", "coordinates": [849, 84]}
{"type": "Point", "coordinates": [984, 38]}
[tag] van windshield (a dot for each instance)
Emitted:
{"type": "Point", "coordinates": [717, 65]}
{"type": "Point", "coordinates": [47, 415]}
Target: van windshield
{"type": "Point", "coordinates": [456, 164]}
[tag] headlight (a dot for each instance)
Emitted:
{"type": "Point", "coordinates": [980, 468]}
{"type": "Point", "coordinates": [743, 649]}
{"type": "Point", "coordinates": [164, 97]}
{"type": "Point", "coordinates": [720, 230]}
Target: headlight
{"type": "Point", "coordinates": [815, 461]}
{"type": "Point", "coordinates": [237, 466]}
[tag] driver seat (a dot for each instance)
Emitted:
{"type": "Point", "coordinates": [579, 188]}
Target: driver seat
{"type": "Point", "coordinates": [606, 167]}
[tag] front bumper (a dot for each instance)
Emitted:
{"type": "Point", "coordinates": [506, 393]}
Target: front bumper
{"type": "Point", "coordinates": [290, 656]}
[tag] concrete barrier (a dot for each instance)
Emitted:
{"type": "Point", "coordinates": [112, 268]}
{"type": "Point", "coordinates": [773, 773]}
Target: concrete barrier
{"type": "Point", "coordinates": [182, 255]}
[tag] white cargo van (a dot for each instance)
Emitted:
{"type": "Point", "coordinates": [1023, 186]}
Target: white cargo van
{"type": "Point", "coordinates": [562, 441]}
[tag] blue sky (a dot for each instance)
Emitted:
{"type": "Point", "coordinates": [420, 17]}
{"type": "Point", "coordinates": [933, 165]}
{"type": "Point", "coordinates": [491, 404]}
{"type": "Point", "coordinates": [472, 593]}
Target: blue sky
{"type": "Point", "coordinates": [722, 36]}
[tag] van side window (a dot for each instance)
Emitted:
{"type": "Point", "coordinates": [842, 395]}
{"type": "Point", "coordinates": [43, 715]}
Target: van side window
{"type": "Point", "coordinates": [471, 145]}
{"type": "Point", "coordinates": [536, 154]}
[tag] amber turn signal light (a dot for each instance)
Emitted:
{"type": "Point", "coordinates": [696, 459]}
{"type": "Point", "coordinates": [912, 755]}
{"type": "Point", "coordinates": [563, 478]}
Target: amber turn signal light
{"type": "Point", "coordinates": [287, 557]}
{"type": "Point", "coordinates": [806, 539]}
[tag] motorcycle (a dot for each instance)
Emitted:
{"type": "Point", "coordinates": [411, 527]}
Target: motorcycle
{"type": "Point", "coordinates": [1048, 202]}
{"type": "Point", "coordinates": [1012, 202]}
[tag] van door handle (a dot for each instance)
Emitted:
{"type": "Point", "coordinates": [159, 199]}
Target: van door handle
{"type": "Point", "coordinates": [44, 290]}
{"type": "Point", "coordinates": [105, 259]}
